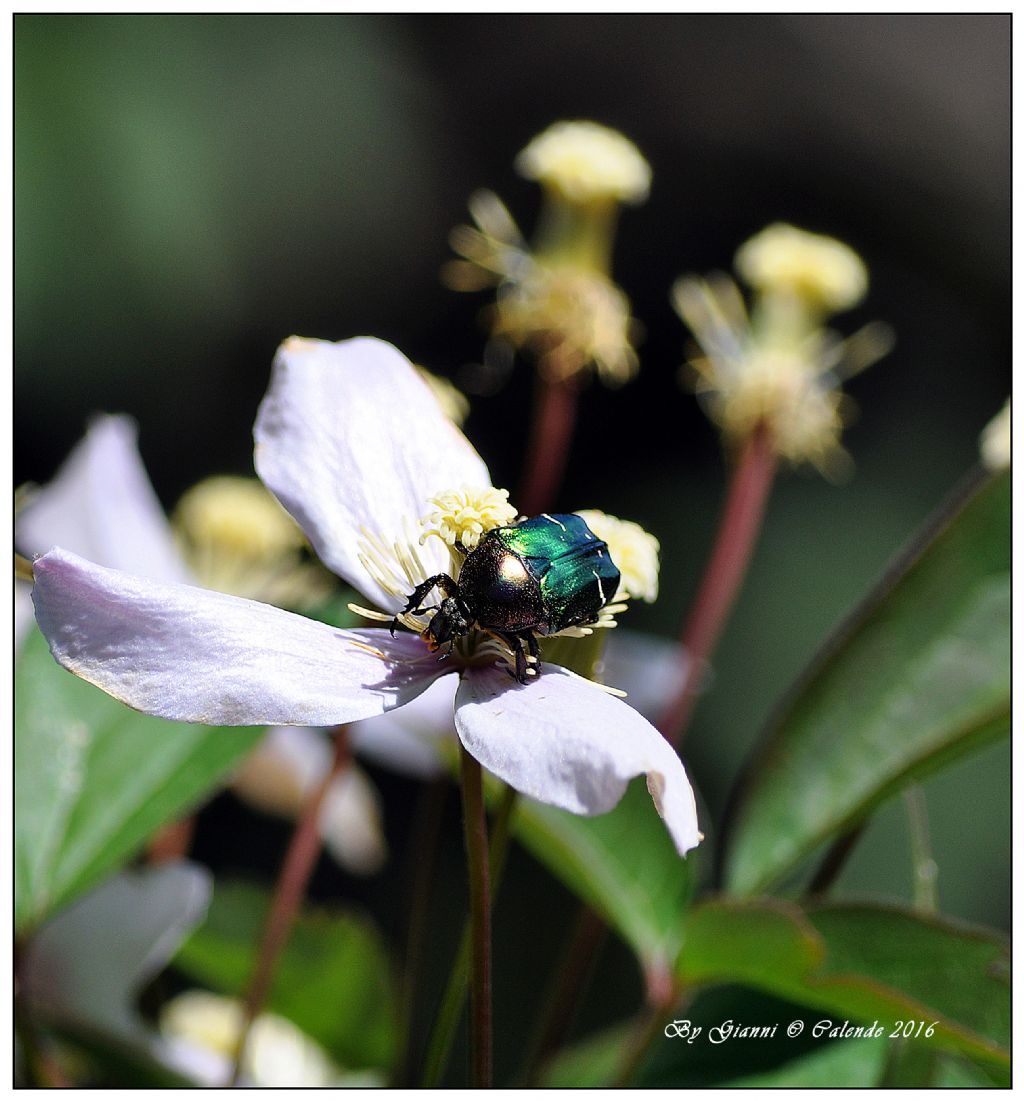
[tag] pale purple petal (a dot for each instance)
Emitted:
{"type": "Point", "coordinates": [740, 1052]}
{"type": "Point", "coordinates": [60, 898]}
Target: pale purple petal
{"type": "Point", "coordinates": [197, 656]}
{"type": "Point", "coordinates": [415, 740]}
{"type": "Point", "coordinates": [563, 741]}
{"type": "Point", "coordinates": [100, 504]}
{"type": "Point", "coordinates": [350, 437]}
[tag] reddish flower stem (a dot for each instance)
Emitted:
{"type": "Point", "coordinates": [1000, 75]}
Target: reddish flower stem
{"type": "Point", "coordinates": [547, 454]}
{"type": "Point", "coordinates": [737, 533]}
{"type": "Point", "coordinates": [475, 821]}
{"type": "Point", "coordinates": [293, 879]}
{"type": "Point", "coordinates": [172, 842]}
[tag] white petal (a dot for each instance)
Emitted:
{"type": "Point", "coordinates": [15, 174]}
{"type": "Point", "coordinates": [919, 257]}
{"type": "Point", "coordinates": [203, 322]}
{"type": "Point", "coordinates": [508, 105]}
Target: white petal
{"type": "Point", "coordinates": [88, 964]}
{"type": "Point", "coordinates": [563, 741]}
{"type": "Point", "coordinates": [196, 656]}
{"type": "Point", "coordinates": [649, 669]}
{"type": "Point", "coordinates": [350, 437]}
{"type": "Point", "coordinates": [350, 823]}
{"type": "Point", "coordinates": [285, 769]}
{"type": "Point", "coordinates": [101, 505]}
{"type": "Point", "coordinates": [415, 740]}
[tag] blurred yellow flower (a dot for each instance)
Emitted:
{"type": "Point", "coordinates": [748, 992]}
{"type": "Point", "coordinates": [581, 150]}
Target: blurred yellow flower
{"type": "Point", "coordinates": [277, 1054]}
{"type": "Point", "coordinates": [822, 271]}
{"type": "Point", "coordinates": [556, 297]}
{"type": "Point", "coordinates": [237, 539]}
{"type": "Point", "coordinates": [586, 161]}
{"type": "Point", "coordinates": [777, 365]}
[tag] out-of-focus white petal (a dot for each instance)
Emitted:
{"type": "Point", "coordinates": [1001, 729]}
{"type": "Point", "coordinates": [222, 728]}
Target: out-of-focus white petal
{"type": "Point", "coordinates": [196, 656]}
{"type": "Point", "coordinates": [413, 740]}
{"type": "Point", "coordinates": [647, 668]}
{"type": "Point", "coordinates": [283, 771]}
{"type": "Point", "coordinates": [87, 965]}
{"type": "Point", "coordinates": [23, 616]}
{"type": "Point", "coordinates": [101, 505]}
{"type": "Point", "coordinates": [350, 823]}
{"type": "Point", "coordinates": [563, 741]}
{"type": "Point", "coordinates": [349, 437]}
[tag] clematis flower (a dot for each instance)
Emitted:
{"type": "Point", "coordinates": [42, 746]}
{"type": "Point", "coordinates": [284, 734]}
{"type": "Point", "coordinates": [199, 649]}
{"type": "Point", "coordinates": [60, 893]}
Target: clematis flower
{"type": "Point", "coordinates": [233, 536]}
{"type": "Point", "coordinates": [556, 297]}
{"type": "Point", "coordinates": [354, 445]}
{"type": "Point", "coordinates": [777, 365]}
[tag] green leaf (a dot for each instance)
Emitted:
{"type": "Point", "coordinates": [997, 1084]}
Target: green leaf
{"type": "Point", "coordinates": [593, 1062]}
{"type": "Point", "coordinates": [854, 1064]}
{"type": "Point", "coordinates": [862, 963]}
{"type": "Point", "coordinates": [622, 863]}
{"type": "Point", "coordinates": [332, 980]}
{"type": "Point", "coordinates": [93, 780]}
{"type": "Point", "coordinates": [844, 1064]}
{"type": "Point", "coordinates": [919, 677]}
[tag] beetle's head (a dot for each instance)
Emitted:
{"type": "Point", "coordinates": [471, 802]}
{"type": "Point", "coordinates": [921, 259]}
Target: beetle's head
{"type": "Point", "coordinates": [451, 621]}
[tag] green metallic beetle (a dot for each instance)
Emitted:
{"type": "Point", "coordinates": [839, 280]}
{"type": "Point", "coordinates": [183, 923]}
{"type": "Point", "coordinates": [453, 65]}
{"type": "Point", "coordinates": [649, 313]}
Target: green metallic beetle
{"type": "Point", "coordinates": [535, 577]}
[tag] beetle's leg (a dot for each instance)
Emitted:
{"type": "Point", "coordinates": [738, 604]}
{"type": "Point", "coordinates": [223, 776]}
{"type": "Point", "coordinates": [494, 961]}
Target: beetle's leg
{"type": "Point", "coordinates": [534, 645]}
{"type": "Point", "coordinates": [522, 673]}
{"type": "Point", "coordinates": [446, 584]}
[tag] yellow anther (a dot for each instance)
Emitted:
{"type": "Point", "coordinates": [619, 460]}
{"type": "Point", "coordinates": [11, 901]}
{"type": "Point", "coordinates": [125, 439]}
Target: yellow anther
{"type": "Point", "coordinates": [586, 162]}
{"type": "Point", "coordinates": [822, 271]}
{"type": "Point", "coordinates": [463, 515]}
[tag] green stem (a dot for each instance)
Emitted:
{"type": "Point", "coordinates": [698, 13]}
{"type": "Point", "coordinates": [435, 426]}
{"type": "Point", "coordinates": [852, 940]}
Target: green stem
{"type": "Point", "coordinates": [925, 869]}
{"type": "Point", "coordinates": [738, 529]}
{"type": "Point", "coordinates": [454, 997]}
{"type": "Point", "coordinates": [475, 822]}
{"type": "Point", "coordinates": [296, 870]}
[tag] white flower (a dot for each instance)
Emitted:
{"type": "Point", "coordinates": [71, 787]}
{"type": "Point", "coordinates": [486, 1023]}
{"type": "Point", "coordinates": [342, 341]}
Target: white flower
{"type": "Point", "coordinates": [354, 445]}
{"type": "Point", "coordinates": [101, 505]}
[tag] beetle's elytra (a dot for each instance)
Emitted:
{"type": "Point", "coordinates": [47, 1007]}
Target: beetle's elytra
{"type": "Point", "coordinates": [535, 577]}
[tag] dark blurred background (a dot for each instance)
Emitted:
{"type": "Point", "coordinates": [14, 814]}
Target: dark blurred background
{"type": "Point", "coordinates": [191, 190]}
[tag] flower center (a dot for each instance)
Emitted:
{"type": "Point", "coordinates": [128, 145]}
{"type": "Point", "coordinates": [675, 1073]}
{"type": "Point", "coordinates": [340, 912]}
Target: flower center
{"type": "Point", "coordinates": [462, 516]}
